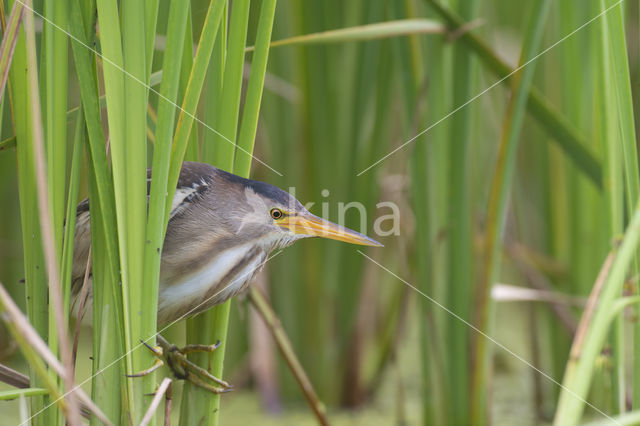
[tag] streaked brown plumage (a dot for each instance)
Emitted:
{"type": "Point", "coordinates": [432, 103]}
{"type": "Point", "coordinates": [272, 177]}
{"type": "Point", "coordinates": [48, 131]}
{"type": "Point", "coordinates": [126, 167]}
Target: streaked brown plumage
{"type": "Point", "coordinates": [221, 230]}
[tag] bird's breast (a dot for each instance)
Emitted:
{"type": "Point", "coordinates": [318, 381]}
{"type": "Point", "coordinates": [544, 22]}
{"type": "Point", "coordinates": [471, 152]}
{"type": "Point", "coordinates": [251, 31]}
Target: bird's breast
{"type": "Point", "coordinates": [225, 275]}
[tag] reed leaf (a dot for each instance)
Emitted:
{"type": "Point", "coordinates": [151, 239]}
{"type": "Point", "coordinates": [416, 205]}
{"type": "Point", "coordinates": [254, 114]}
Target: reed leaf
{"type": "Point", "coordinates": [7, 144]}
{"type": "Point", "coordinates": [139, 294]}
{"type": "Point", "coordinates": [226, 122]}
{"type": "Point", "coordinates": [111, 48]}
{"type": "Point", "coordinates": [108, 389]}
{"type": "Point", "coordinates": [193, 91]}
{"type": "Point", "coordinates": [14, 394]}
{"type": "Point", "coordinates": [253, 97]}
{"type": "Point", "coordinates": [381, 30]}
{"type": "Point", "coordinates": [579, 372]}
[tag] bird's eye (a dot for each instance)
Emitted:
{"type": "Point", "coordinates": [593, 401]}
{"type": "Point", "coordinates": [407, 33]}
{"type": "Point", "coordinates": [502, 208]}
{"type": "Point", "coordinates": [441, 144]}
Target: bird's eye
{"type": "Point", "coordinates": [276, 214]}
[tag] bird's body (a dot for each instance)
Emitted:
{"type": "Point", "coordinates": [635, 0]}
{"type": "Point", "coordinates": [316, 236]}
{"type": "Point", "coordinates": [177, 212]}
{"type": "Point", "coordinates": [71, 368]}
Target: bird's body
{"type": "Point", "coordinates": [221, 230]}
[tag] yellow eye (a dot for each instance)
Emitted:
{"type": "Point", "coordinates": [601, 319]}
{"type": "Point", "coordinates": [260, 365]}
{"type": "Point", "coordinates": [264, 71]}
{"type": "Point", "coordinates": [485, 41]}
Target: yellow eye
{"type": "Point", "coordinates": [276, 214]}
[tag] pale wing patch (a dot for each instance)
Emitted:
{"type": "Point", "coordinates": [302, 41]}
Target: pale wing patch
{"type": "Point", "coordinates": [186, 195]}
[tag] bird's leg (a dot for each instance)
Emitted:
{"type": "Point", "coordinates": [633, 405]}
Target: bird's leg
{"type": "Point", "coordinates": [199, 348]}
{"type": "Point", "coordinates": [188, 370]}
{"type": "Point", "coordinates": [208, 387]}
{"type": "Point", "coordinates": [184, 369]}
{"type": "Point", "coordinates": [158, 352]}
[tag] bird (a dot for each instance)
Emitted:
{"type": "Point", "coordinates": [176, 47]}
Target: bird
{"type": "Point", "coordinates": [221, 230]}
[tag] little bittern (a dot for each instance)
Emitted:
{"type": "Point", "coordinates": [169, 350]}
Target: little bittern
{"type": "Point", "coordinates": [221, 230]}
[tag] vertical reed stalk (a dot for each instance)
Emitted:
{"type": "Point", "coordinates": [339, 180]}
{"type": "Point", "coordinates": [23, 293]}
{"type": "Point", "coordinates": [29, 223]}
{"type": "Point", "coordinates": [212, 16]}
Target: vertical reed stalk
{"type": "Point", "coordinates": [108, 340]}
{"type": "Point", "coordinates": [615, 32]}
{"type": "Point", "coordinates": [226, 124]}
{"type": "Point", "coordinates": [131, 194]}
{"type": "Point", "coordinates": [460, 240]}
{"type": "Point", "coordinates": [159, 191]}
{"type": "Point", "coordinates": [431, 165]}
{"type": "Point", "coordinates": [227, 119]}
{"type": "Point", "coordinates": [35, 273]}
{"type": "Point", "coordinates": [497, 209]}
{"type": "Point", "coordinates": [55, 70]}
{"type": "Point", "coordinates": [109, 21]}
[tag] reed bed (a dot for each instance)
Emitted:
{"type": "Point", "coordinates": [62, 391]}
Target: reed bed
{"type": "Point", "coordinates": [504, 133]}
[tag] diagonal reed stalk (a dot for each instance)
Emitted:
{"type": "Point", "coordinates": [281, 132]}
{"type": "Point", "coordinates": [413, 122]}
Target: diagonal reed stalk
{"type": "Point", "coordinates": [38, 353]}
{"type": "Point", "coordinates": [389, 29]}
{"type": "Point", "coordinates": [580, 367]}
{"type": "Point", "coordinates": [558, 127]}
{"type": "Point", "coordinates": [497, 209]}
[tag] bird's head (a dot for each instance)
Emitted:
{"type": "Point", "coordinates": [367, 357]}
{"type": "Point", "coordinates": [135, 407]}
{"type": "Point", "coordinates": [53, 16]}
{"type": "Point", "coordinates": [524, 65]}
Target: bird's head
{"type": "Point", "coordinates": [266, 213]}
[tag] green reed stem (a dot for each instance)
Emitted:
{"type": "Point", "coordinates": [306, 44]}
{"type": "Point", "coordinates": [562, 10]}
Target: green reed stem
{"type": "Point", "coordinates": [179, 146]}
{"type": "Point", "coordinates": [108, 389]}
{"type": "Point", "coordinates": [559, 128]}
{"type": "Point", "coordinates": [158, 194]}
{"type": "Point", "coordinates": [35, 272]}
{"type": "Point", "coordinates": [253, 98]}
{"type": "Point", "coordinates": [580, 369]}
{"type": "Point", "coordinates": [460, 246]}
{"type": "Point", "coordinates": [497, 208]}
{"type": "Point", "coordinates": [226, 122]}
{"type": "Point", "coordinates": [111, 44]}
{"type": "Point", "coordinates": [131, 198]}
{"type": "Point", "coordinates": [615, 32]}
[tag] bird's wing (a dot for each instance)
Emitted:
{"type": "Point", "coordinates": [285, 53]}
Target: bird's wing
{"type": "Point", "coordinates": [193, 182]}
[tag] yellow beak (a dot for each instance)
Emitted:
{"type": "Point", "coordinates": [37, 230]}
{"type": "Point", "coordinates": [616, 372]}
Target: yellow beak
{"type": "Point", "coordinates": [316, 226]}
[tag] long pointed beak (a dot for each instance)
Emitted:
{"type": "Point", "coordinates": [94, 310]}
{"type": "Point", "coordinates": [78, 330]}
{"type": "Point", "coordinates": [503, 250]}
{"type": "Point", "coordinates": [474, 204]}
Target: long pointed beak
{"type": "Point", "coordinates": [315, 226]}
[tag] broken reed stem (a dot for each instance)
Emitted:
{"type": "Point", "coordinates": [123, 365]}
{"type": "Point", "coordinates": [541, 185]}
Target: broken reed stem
{"type": "Point", "coordinates": [32, 344]}
{"type": "Point", "coordinates": [166, 382]}
{"type": "Point", "coordinates": [168, 403]}
{"type": "Point", "coordinates": [587, 315]}
{"type": "Point", "coordinates": [286, 349]}
{"type": "Point", "coordinates": [13, 377]}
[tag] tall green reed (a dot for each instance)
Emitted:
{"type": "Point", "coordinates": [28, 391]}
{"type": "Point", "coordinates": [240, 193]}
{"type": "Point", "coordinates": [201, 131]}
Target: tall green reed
{"type": "Point", "coordinates": [430, 163]}
{"type": "Point", "coordinates": [461, 264]}
{"type": "Point", "coordinates": [35, 273]}
{"type": "Point", "coordinates": [496, 211]}
{"type": "Point", "coordinates": [621, 189]}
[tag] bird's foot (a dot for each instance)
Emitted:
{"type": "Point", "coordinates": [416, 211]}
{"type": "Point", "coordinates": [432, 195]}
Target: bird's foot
{"type": "Point", "coordinates": [176, 359]}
